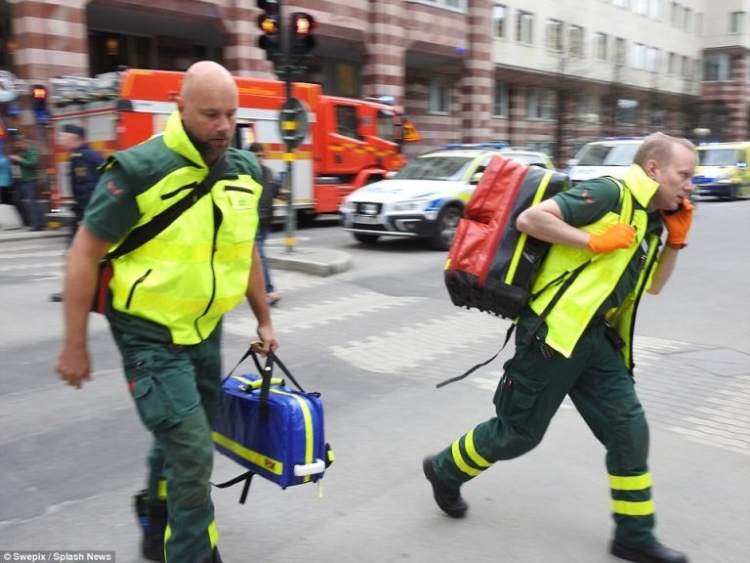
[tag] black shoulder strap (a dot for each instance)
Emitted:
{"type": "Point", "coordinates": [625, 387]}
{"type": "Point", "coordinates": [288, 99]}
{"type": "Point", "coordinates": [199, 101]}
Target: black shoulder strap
{"type": "Point", "coordinates": [141, 235]}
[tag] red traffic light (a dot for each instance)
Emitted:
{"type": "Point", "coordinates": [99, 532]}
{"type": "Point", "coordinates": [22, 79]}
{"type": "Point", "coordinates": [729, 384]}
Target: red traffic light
{"type": "Point", "coordinates": [302, 23]}
{"type": "Point", "coordinates": [39, 93]}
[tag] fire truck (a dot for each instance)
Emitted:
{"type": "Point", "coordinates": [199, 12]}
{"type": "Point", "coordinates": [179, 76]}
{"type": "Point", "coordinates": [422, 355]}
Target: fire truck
{"type": "Point", "coordinates": [349, 143]}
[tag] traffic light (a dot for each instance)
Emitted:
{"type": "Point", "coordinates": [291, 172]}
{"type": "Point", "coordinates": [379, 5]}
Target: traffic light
{"type": "Point", "coordinates": [39, 98]}
{"type": "Point", "coordinates": [270, 24]}
{"type": "Point", "coordinates": [301, 41]}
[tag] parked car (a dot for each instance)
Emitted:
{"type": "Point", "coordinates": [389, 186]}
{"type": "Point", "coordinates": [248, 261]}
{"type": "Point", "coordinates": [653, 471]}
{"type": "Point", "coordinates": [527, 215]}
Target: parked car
{"type": "Point", "coordinates": [426, 198]}
{"type": "Point", "coordinates": [610, 157]}
{"type": "Point", "coordinates": [722, 170]}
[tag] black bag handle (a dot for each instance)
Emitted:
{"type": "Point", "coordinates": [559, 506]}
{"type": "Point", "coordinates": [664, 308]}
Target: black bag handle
{"type": "Point", "coordinates": [141, 235]}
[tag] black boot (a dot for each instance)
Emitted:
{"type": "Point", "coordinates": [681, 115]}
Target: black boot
{"type": "Point", "coordinates": [152, 516]}
{"type": "Point", "coordinates": [653, 554]}
{"type": "Point", "coordinates": [448, 499]}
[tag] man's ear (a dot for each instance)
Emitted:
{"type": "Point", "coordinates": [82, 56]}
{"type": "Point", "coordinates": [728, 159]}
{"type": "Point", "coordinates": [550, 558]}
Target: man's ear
{"type": "Point", "coordinates": [650, 169]}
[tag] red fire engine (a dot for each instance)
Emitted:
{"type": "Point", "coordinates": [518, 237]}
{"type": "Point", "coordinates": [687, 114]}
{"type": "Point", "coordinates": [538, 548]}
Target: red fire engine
{"type": "Point", "coordinates": [349, 143]}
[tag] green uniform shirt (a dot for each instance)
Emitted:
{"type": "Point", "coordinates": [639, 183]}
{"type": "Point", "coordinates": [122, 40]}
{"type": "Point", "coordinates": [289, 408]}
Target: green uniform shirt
{"type": "Point", "coordinates": [587, 202]}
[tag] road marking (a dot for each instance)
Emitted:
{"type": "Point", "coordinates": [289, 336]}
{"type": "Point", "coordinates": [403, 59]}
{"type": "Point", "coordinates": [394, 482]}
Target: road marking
{"type": "Point", "coordinates": [320, 314]}
{"type": "Point", "coordinates": [22, 255]}
{"type": "Point", "coordinates": [408, 347]}
{"type": "Point", "coordinates": [34, 266]}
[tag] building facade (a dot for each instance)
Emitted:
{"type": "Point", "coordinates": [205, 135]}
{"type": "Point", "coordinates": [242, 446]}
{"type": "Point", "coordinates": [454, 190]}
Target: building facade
{"type": "Point", "coordinates": [550, 75]}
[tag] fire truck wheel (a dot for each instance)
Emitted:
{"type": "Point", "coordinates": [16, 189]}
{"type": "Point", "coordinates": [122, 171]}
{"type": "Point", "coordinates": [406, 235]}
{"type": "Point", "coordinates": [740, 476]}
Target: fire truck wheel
{"type": "Point", "coordinates": [366, 239]}
{"type": "Point", "coordinates": [445, 227]}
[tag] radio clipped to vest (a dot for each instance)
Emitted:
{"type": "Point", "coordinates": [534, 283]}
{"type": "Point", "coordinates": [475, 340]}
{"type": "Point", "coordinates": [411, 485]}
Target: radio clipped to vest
{"type": "Point", "coordinates": [491, 265]}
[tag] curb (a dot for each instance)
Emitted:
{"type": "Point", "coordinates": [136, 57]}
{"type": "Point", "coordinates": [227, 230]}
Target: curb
{"type": "Point", "coordinates": [315, 261]}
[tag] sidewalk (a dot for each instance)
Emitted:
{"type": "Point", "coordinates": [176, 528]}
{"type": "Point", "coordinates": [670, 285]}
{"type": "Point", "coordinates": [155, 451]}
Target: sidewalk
{"type": "Point", "coordinates": [309, 260]}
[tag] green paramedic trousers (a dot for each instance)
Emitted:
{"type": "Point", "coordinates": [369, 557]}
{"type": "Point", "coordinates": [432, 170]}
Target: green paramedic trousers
{"type": "Point", "coordinates": [177, 392]}
{"type": "Point", "coordinates": [531, 390]}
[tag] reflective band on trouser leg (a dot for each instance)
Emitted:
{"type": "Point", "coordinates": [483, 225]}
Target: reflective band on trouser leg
{"type": "Point", "coordinates": [466, 458]}
{"type": "Point", "coordinates": [633, 509]}
{"type": "Point", "coordinates": [162, 490]}
{"type": "Point", "coordinates": [213, 536]}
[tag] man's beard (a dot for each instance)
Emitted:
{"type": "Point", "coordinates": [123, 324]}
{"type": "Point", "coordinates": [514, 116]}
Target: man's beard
{"type": "Point", "coordinates": [209, 153]}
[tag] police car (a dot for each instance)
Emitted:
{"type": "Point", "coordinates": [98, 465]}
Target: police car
{"type": "Point", "coordinates": [426, 198]}
{"type": "Point", "coordinates": [609, 157]}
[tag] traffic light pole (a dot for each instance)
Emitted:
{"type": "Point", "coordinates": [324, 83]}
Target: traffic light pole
{"type": "Point", "coordinates": [289, 51]}
{"type": "Point", "coordinates": [291, 215]}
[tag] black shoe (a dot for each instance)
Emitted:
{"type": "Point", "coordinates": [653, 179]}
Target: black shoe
{"type": "Point", "coordinates": [653, 554]}
{"type": "Point", "coordinates": [448, 499]}
{"type": "Point", "coordinates": [152, 516]}
{"type": "Point", "coordinates": [56, 297]}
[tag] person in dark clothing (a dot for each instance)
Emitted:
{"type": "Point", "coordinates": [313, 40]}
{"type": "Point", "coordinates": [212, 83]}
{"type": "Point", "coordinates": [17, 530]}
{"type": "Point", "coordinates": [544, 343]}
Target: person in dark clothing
{"type": "Point", "coordinates": [84, 162]}
{"type": "Point", "coordinates": [271, 190]}
{"type": "Point", "coordinates": [83, 175]}
{"type": "Point", "coordinates": [26, 157]}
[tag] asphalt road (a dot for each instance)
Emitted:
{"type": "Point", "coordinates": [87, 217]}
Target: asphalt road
{"type": "Point", "coordinates": [374, 341]}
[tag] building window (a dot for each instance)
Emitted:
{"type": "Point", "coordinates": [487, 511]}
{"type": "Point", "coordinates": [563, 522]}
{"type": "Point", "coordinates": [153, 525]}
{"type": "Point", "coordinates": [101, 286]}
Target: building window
{"type": "Point", "coordinates": [541, 103]}
{"type": "Point", "coordinates": [716, 67]}
{"type": "Point", "coordinates": [627, 112]}
{"type": "Point", "coordinates": [654, 9]}
{"type": "Point", "coordinates": [658, 116]}
{"type": "Point", "coordinates": [553, 39]}
{"type": "Point", "coordinates": [525, 28]}
{"type": "Point", "coordinates": [699, 24]}
{"type": "Point", "coordinates": [499, 20]}
{"type": "Point", "coordinates": [653, 59]}
{"type": "Point", "coordinates": [641, 7]}
{"type": "Point", "coordinates": [439, 95]}
{"type": "Point", "coordinates": [735, 22]}
{"type": "Point", "coordinates": [673, 11]}
{"type": "Point", "coordinates": [575, 37]}
{"type": "Point", "coordinates": [621, 3]}
{"type": "Point", "coordinates": [588, 108]}
{"type": "Point", "coordinates": [672, 65]}
{"type": "Point", "coordinates": [687, 19]}
{"type": "Point", "coordinates": [639, 56]}
{"type": "Point", "coordinates": [620, 51]}
{"type": "Point", "coordinates": [686, 68]}
{"type": "Point", "coordinates": [501, 106]}
{"type": "Point", "coordinates": [600, 46]}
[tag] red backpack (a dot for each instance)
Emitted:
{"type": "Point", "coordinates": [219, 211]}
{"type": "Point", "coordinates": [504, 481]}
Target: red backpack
{"type": "Point", "coordinates": [491, 265]}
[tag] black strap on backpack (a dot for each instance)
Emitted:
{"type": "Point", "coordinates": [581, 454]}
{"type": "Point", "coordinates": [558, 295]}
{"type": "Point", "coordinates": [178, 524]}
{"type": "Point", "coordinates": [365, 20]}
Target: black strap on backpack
{"type": "Point", "coordinates": [141, 235]}
{"type": "Point", "coordinates": [527, 338]}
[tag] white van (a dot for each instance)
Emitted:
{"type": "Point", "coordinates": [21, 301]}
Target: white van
{"type": "Point", "coordinates": [603, 158]}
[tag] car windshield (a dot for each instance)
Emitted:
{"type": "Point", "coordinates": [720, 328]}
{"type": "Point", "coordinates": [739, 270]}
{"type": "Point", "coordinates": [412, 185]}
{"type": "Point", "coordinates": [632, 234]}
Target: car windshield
{"type": "Point", "coordinates": [608, 155]}
{"type": "Point", "coordinates": [446, 168]}
{"type": "Point", "coordinates": [718, 157]}
{"type": "Point", "coordinates": [526, 158]}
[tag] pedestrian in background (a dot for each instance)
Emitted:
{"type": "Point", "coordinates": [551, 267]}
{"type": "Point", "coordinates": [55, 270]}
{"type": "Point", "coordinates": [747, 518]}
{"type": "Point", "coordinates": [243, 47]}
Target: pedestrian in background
{"type": "Point", "coordinates": [271, 190]}
{"type": "Point", "coordinates": [82, 175]}
{"type": "Point", "coordinates": [26, 157]}
{"type": "Point", "coordinates": [167, 298]}
{"type": "Point", "coordinates": [84, 162]}
{"type": "Point", "coordinates": [6, 177]}
{"type": "Point", "coordinates": [583, 348]}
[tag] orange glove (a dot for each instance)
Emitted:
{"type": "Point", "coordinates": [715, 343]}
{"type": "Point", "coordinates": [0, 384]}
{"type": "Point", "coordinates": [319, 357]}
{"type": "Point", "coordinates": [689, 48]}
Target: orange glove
{"type": "Point", "coordinates": [619, 236]}
{"type": "Point", "coordinates": [678, 223]}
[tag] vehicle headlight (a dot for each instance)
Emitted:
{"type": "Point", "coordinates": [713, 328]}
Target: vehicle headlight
{"type": "Point", "coordinates": [410, 205]}
{"type": "Point", "coordinates": [346, 206]}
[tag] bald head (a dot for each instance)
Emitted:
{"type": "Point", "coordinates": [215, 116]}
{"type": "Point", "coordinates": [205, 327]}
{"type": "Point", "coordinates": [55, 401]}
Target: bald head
{"type": "Point", "coordinates": [205, 76]}
{"type": "Point", "coordinates": [208, 107]}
